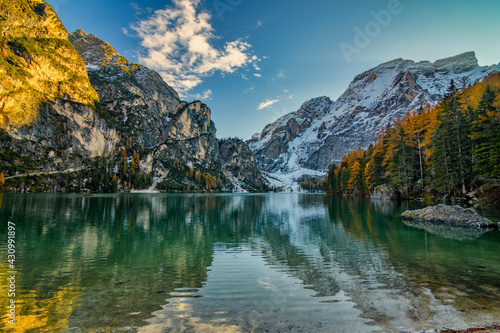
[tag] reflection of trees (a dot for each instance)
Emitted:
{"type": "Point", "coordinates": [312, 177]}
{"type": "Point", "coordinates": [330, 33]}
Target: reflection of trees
{"type": "Point", "coordinates": [458, 272]}
{"type": "Point", "coordinates": [330, 259]}
{"type": "Point", "coordinates": [111, 261]}
{"type": "Point", "coordinates": [363, 248]}
{"type": "Point", "coordinates": [125, 253]}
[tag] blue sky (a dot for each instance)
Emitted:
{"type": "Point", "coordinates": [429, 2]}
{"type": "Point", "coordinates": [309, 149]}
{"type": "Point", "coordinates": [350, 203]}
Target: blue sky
{"type": "Point", "coordinates": [254, 61]}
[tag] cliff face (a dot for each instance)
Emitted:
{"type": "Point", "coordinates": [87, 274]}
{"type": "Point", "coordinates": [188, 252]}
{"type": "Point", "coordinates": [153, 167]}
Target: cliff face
{"type": "Point", "coordinates": [38, 64]}
{"type": "Point", "coordinates": [145, 111]}
{"type": "Point", "coordinates": [73, 104]}
{"type": "Point", "coordinates": [239, 164]}
{"type": "Point", "coordinates": [46, 99]}
{"type": "Point", "coordinates": [190, 136]}
{"type": "Point", "coordinates": [132, 98]}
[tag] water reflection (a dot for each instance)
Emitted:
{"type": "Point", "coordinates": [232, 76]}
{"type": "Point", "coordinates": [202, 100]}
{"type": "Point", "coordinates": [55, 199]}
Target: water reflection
{"type": "Point", "coordinates": [281, 262]}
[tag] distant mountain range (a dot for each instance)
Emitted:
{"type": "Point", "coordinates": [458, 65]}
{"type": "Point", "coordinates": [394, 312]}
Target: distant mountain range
{"type": "Point", "coordinates": [322, 131]}
{"type": "Point", "coordinates": [76, 115]}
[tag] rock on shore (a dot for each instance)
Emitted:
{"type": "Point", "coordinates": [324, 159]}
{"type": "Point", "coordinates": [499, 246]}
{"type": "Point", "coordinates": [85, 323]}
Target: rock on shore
{"type": "Point", "coordinates": [449, 215]}
{"type": "Point", "coordinates": [384, 192]}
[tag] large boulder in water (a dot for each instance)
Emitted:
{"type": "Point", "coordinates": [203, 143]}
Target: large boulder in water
{"type": "Point", "coordinates": [385, 192]}
{"type": "Point", "coordinates": [449, 215]}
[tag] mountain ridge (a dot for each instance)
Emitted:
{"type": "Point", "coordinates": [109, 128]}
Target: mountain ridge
{"type": "Point", "coordinates": [374, 98]}
{"type": "Point", "coordinates": [132, 133]}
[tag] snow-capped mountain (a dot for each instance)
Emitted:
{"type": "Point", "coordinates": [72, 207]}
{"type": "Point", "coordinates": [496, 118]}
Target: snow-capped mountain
{"type": "Point", "coordinates": [322, 131]}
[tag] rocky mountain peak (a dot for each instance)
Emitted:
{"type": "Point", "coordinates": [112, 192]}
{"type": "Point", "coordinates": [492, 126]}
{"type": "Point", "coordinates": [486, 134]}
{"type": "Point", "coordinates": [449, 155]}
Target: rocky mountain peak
{"type": "Point", "coordinates": [238, 162]}
{"type": "Point", "coordinates": [39, 20]}
{"type": "Point", "coordinates": [32, 71]}
{"type": "Point", "coordinates": [94, 50]}
{"type": "Point", "coordinates": [459, 63]}
{"type": "Point", "coordinates": [79, 33]}
{"type": "Point", "coordinates": [315, 106]}
{"type": "Point", "coordinates": [321, 132]}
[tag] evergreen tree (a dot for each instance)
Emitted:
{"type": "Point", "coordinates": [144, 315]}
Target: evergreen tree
{"type": "Point", "coordinates": [403, 166]}
{"type": "Point", "coordinates": [332, 182]}
{"type": "Point", "coordinates": [451, 143]}
{"type": "Point", "coordinates": [354, 180]}
{"type": "Point", "coordinates": [484, 133]}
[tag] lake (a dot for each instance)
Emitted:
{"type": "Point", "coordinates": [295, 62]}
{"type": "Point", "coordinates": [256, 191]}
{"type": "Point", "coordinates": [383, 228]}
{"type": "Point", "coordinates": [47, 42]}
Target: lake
{"type": "Point", "coordinates": [241, 263]}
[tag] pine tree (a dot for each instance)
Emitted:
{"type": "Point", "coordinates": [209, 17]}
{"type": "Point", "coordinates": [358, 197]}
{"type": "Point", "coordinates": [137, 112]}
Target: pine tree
{"type": "Point", "coordinates": [451, 142]}
{"type": "Point", "coordinates": [403, 165]}
{"type": "Point", "coordinates": [331, 184]}
{"type": "Point", "coordinates": [417, 128]}
{"type": "Point", "coordinates": [124, 163]}
{"type": "Point", "coordinates": [2, 181]}
{"type": "Point", "coordinates": [354, 181]}
{"type": "Point", "coordinates": [376, 169]}
{"type": "Point", "coordinates": [495, 154]}
{"type": "Point", "coordinates": [367, 175]}
{"type": "Point", "coordinates": [344, 178]}
{"type": "Point", "coordinates": [483, 132]}
{"type": "Point", "coordinates": [114, 183]}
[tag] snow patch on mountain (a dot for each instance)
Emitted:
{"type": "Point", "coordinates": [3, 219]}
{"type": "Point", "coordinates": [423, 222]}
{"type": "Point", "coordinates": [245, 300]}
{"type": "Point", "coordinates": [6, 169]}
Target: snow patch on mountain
{"type": "Point", "coordinates": [322, 131]}
{"type": "Point", "coordinates": [287, 182]}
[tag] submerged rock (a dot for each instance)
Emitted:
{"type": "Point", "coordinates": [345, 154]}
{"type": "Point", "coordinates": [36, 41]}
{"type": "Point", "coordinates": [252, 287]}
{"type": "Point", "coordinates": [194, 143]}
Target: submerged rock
{"type": "Point", "coordinates": [384, 192]}
{"type": "Point", "coordinates": [449, 215]}
{"type": "Point", "coordinates": [448, 231]}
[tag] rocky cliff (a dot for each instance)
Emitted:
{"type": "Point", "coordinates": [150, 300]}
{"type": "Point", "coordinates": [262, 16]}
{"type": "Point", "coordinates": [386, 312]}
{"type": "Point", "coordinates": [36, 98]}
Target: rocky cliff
{"type": "Point", "coordinates": [238, 163]}
{"type": "Point", "coordinates": [76, 115]}
{"type": "Point", "coordinates": [46, 99]}
{"type": "Point", "coordinates": [38, 64]}
{"type": "Point", "coordinates": [132, 98]}
{"type": "Point", "coordinates": [147, 112]}
{"type": "Point", "coordinates": [322, 131]}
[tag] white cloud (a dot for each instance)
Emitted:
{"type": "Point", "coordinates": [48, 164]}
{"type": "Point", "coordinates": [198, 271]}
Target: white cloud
{"type": "Point", "coordinates": [178, 43]}
{"type": "Point", "coordinates": [136, 7]}
{"type": "Point", "coordinates": [267, 103]}
{"type": "Point", "coordinates": [251, 89]}
{"type": "Point", "coordinates": [281, 75]}
{"type": "Point", "coordinates": [257, 75]}
{"type": "Point", "coordinates": [206, 95]}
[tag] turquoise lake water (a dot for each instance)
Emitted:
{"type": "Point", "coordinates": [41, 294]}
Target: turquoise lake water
{"type": "Point", "coordinates": [241, 263]}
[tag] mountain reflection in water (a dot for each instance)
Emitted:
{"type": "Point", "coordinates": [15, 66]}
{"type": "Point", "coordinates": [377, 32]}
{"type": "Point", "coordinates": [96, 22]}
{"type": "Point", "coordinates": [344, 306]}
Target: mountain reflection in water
{"type": "Point", "coordinates": [276, 262]}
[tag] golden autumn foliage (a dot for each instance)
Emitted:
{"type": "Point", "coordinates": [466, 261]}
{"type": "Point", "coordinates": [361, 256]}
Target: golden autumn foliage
{"type": "Point", "coordinates": [38, 63]}
{"type": "Point", "coordinates": [37, 314]}
{"type": "Point", "coordinates": [431, 146]}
